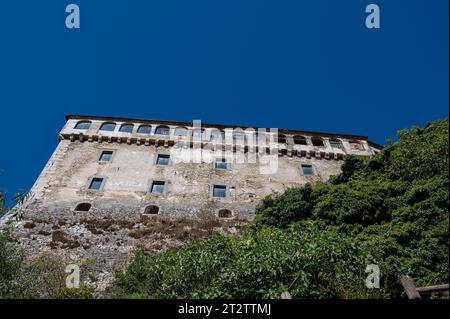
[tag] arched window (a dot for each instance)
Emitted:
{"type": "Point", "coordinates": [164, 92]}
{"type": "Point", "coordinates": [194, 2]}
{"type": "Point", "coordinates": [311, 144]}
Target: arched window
{"type": "Point", "coordinates": [83, 207]}
{"type": "Point", "coordinates": [317, 141]}
{"type": "Point", "coordinates": [109, 127]}
{"type": "Point", "coordinates": [162, 130]}
{"type": "Point", "coordinates": [198, 133]}
{"type": "Point", "coordinates": [151, 210]}
{"type": "Point", "coordinates": [335, 143]}
{"type": "Point", "coordinates": [356, 145]}
{"type": "Point", "coordinates": [83, 125]}
{"type": "Point", "coordinates": [299, 140]}
{"type": "Point", "coordinates": [144, 129]}
{"type": "Point", "coordinates": [260, 139]}
{"type": "Point", "coordinates": [239, 137]}
{"type": "Point", "coordinates": [181, 131]}
{"type": "Point", "coordinates": [126, 128]}
{"type": "Point", "coordinates": [217, 136]}
{"type": "Point", "coordinates": [281, 138]}
{"type": "Point", "coordinates": [225, 213]}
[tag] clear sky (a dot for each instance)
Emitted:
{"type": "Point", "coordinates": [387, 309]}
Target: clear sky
{"type": "Point", "coordinates": [308, 65]}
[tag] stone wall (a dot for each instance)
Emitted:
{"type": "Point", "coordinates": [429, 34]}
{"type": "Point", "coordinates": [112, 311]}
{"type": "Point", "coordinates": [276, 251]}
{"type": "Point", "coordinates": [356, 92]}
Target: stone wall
{"type": "Point", "coordinates": [64, 181]}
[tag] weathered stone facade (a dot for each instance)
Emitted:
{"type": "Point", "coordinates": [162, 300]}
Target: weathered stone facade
{"type": "Point", "coordinates": [118, 157]}
{"type": "Point", "coordinates": [128, 176]}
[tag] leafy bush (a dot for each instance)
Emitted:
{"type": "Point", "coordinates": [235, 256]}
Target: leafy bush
{"type": "Point", "coordinates": [46, 275]}
{"type": "Point", "coordinates": [260, 264]}
{"type": "Point", "coordinates": [399, 199]}
{"type": "Point", "coordinates": [40, 277]}
{"type": "Point", "coordinates": [13, 276]}
{"type": "Point", "coordinates": [84, 292]}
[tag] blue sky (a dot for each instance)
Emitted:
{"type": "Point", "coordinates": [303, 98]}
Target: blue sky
{"type": "Point", "coordinates": [309, 65]}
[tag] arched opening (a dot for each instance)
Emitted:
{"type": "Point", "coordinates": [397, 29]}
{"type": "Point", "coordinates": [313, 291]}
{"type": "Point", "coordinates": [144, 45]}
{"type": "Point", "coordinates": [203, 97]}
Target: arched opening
{"type": "Point", "coordinates": [317, 141]}
{"type": "Point", "coordinates": [239, 137]}
{"type": "Point", "coordinates": [109, 127]}
{"type": "Point", "coordinates": [197, 134]}
{"type": "Point", "coordinates": [356, 145]}
{"type": "Point", "coordinates": [335, 143]}
{"type": "Point", "coordinates": [300, 140]}
{"type": "Point", "coordinates": [260, 139]}
{"type": "Point", "coordinates": [162, 130]}
{"type": "Point", "coordinates": [83, 125]}
{"type": "Point", "coordinates": [225, 213]}
{"type": "Point", "coordinates": [144, 129]}
{"type": "Point", "coordinates": [181, 131]}
{"type": "Point", "coordinates": [126, 128]}
{"type": "Point", "coordinates": [83, 207]}
{"type": "Point", "coordinates": [217, 136]}
{"type": "Point", "coordinates": [282, 138]}
{"type": "Point", "coordinates": [151, 210]}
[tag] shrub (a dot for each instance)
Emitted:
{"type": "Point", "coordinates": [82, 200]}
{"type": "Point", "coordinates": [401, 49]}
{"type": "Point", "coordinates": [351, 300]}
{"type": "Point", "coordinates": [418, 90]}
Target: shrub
{"type": "Point", "coordinates": [84, 292]}
{"type": "Point", "coordinates": [259, 264]}
{"type": "Point", "coordinates": [40, 277]}
{"type": "Point", "coordinates": [13, 283]}
{"type": "Point", "coordinates": [46, 275]}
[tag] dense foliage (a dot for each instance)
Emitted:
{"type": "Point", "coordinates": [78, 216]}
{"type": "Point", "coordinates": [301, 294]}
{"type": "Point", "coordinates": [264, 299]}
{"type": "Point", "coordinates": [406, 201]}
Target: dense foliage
{"type": "Point", "coordinates": [260, 264]}
{"type": "Point", "coordinates": [390, 210]}
{"type": "Point", "coordinates": [398, 200]}
{"type": "Point", "coordinates": [41, 277]}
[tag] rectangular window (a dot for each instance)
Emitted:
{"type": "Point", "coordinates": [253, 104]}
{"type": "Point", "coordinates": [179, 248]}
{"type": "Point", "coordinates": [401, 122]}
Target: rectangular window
{"type": "Point", "coordinates": [220, 164]}
{"type": "Point", "coordinates": [308, 170]}
{"type": "Point", "coordinates": [96, 183]}
{"type": "Point", "coordinates": [219, 191]}
{"type": "Point", "coordinates": [106, 156]}
{"type": "Point", "coordinates": [158, 187]}
{"type": "Point", "coordinates": [162, 159]}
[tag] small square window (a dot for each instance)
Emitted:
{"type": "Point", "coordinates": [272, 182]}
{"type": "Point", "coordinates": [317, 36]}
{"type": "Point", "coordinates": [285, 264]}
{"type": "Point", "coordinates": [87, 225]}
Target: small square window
{"type": "Point", "coordinates": [162, 159]}
{"type": "Point", "coordinates": [219, 191]}
{"type": "Point", "coordinates": [308, 170]}
{"type": "Point", "coordinates": [106, 156]}
{"type": "Point", "coordinates": [220, 164]}
{"type": "Point", "coordinates": [96, 183]}
{"type": "Point", "coordinates": [158, 187]}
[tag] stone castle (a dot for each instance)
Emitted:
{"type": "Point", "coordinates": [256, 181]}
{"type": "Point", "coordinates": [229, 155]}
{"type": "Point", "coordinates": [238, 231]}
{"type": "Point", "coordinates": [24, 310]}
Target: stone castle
{"type": "Point", "coordinates": [111, 179]}
{"type": "Point", "coordinates": [118, 166]}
